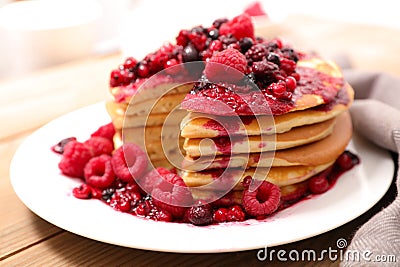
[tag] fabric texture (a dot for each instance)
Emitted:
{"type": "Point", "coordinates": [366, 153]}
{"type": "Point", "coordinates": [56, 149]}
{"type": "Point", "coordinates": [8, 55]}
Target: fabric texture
{"type": "Point", "coordinates": [376, 116]}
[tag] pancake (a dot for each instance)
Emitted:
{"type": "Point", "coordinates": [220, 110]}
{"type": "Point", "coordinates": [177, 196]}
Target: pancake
{"type": "Point", "coordinates": [319, 152]}
{"type": "Point", "coordinates": [196, 125]}
{"type": "Point", "coordinates": [280, 176]}
{"type": "Point", "coordinates": [148, 89]}
{"type": "Point", "coordinates": [253, 144]}
{"type": "Point", "coordinates": [120, 119]}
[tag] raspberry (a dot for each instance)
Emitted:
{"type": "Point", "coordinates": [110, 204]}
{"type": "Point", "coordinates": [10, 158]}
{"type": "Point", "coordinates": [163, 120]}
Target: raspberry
{"type": "Point", "coordinates": [262, 201]}
{"type": "Point", "coordinates": [129, 162]}
{"type": "Point", "coordinates": [98, 172]}
{"type": "Point", "coordinates": [83, 191]}
{"type": "Point", "coordinates": [172, 195]}
{"type": "Point", "coordinates": [255, 9]}
{"type": "Point", "coordinates": [152, 179]}
{"type": "Point", "coordinates": [220, 215]}
{"type": "Point", "coordinates": [240, 27]}
{"type": "Point", "coordinates": [106, 131]}
{"type": "Point", "coordinates": [99, 145]}
{"type": "Point", "coordinates": [318, 184]}
{"type": "Point", "coordinates": [125, 200]}
{"type": "Point", "coordinates": [74, 159]}
{"type": "Point", "coordinates": [200, 215]}
{"type": "Point", "coordinates": [216, 69]}
{"type": "Point", "coordinates": [235, 214]}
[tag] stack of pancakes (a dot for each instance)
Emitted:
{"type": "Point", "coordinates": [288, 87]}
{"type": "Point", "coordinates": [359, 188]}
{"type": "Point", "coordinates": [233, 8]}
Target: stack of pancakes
{"type": "Point", "coordinates": [150, 119]}
{"type": "Point", "coordinates": [285, 149]}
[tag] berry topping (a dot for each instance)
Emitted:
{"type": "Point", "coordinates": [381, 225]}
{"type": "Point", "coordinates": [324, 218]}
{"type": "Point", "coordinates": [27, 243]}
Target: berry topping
{"type": "Point", "coordinates": [240, 27]}
{"type": "Point", "coordinates": [200, 215]}
{"type": "Point", "coordinates": [83, 191]}
{"type": "Point", "coordinates": [262, 201]}
{"type": "Point", "coordinates": [59, 147]}
{"type": "Point", "coordinates": [347, 160]}
{"type": "Point", "coordinates": [216, 69]}
{"type": "Point", "coordinates": [99, 145]}
{"type": "Point", "coordinates": [98, 172]}
{"type": "Point", "coordinates": [152, 179]}
{"type": "Point", "coordinates": [293, 192]}
{"type": "Point", "coordinates": [74, 159]}
{"type": "Point", "coordinates": [106, 131]}
{"type": "Point", "coordinates": [255, 9]}
{"type": "Point", "coordinates": [190, 53]}
{"type": "Point", "coordinates": [129, 162]}
{"type": "Point", "coordinates": [172, 195]}
{"type": "Point", "coordinates": [125, 200]}
{"type": "Point", "coordinates": [318, 184]}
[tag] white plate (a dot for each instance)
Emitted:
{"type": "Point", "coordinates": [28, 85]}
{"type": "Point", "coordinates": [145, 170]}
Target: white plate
{"type": "Point", "coordinates": [39, 184]}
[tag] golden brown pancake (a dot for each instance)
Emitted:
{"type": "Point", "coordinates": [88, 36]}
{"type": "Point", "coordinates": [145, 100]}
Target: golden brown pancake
{"type": "Point", "coordinates": [196, 125]}
{"type": "Point", "coordinates": [316, 153]}
{"type": "Point", "coordinates": [253, 144]}
{"type": "Point", "coordinates": [281, 176]}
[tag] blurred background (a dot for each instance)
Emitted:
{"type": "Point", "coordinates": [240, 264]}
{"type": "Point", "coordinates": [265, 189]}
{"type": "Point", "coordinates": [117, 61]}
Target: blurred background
{"type": "Point", "coordinates": [36, 34]}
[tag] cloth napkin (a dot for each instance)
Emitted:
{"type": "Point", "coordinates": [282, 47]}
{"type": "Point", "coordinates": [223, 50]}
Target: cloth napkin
{"type": "Point", "coordinates": [376, 116]}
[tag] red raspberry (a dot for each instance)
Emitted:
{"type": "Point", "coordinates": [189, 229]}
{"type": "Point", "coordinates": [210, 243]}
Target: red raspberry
{"type": "Point", "coordinates": [235, 214]}
{"type": "Point", "coordinates": [152, 179]}
{"type": "Point", "coordinates": [318, 184]}
{"type": "Point", "coordinates": [240, 27]}
{"type": "Point", "coordinates": [98, 172]}
{"type": "Point", "coordinates": [129, 162]}
{"type": "Point", "coordinates": [99, 145]}
{"type": "Point", "coordinates": [106, 131]}
{"type": "Point", "coordinates": [255, 9]}
{"type": "Point", "coordinates": [83, 191]}
{"type": "Point", "coordinates": [262, 201]}
{"type": "Point", "coordinates": [220, 215]}
{"type": "Point", "coordinates": [125, 200]}
{"type": "Point", "coordinates": [74, 159]}
{"type": "Point", "coordinates": [172, 195]}
{"type": "Point", "coordinates": [216, 68]}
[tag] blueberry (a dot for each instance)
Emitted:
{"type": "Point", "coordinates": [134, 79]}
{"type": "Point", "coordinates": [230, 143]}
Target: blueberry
{"type": "Point", "coordinates": [213, 34]}
{"type": "Point", "coordinates": [245, 44]}
{"type": "Point", "coordinates": [274, 58]}
{"type": "Point", "coordinates": [190, 53]}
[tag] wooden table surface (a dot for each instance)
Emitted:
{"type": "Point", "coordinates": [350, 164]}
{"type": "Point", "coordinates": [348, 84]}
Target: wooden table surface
{"type": "Point", "coordinates": [33, 100]}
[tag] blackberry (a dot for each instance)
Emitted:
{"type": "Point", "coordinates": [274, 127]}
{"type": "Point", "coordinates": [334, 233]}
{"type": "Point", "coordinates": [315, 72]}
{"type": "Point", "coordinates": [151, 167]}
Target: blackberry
{"type": "Point", "coordinates": [256, 53]}
{"type": "Point", "coordinates": [264, 71]}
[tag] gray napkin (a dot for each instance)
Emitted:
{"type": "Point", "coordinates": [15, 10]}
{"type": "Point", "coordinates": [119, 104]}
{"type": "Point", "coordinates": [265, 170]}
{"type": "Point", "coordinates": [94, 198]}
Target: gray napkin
{"type": "Point", "coordinates": [376, 115]}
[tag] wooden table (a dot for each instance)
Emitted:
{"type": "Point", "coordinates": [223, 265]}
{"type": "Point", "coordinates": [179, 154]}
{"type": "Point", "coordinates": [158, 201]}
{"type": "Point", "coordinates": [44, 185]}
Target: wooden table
{"type": "Point", "coordinates": [30, 102]}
